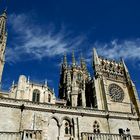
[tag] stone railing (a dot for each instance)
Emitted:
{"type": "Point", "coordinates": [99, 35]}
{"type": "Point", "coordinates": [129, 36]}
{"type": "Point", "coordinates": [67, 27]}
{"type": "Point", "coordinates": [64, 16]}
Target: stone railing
{"type": "Point", "coordinates": [25, 135]}
{"type": "Point", "coordinates": [10, 136]}
{"type": "Point", "coordinates": [104, 136]}
{"type": "Point", "coordinates": [32, 135]}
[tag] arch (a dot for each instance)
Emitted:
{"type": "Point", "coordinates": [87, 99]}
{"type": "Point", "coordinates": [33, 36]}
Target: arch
{"type": "Point", "coordinates": [55, 118]}
{"type": "Point", "coordinates": [67, 127]}
{"type": "Point", "coordinates": [53, 129]}
{"type": "Point", "coordinates": [36, 95]}
{"type": "Point", "coordinates": [68, 119]}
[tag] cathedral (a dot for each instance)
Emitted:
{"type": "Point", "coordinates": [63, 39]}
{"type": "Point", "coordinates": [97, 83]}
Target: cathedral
{"type": "Point", "coordinates": [104, 106]}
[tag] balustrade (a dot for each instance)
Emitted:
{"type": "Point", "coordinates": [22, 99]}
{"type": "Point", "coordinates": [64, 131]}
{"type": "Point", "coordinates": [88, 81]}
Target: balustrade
{"type": "Point", "coordinates": [104, 136]}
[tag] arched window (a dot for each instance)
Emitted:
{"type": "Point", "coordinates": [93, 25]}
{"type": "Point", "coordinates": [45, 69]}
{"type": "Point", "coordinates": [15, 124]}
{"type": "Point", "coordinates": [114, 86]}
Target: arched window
{"type": "Point", "coordinates": [96, 127]}
{"type": "Point", "coordinates": [36, 95]}
{"type": "Point", "coordinates": [49, 98]}
{"type": "Point", "coordinates": [67, 128]}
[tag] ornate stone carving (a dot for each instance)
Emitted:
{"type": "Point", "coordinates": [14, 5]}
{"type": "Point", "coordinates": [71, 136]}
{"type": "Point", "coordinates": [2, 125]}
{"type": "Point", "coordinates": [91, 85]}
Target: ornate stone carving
{"type": "Point", "coordinates": [116, 93]}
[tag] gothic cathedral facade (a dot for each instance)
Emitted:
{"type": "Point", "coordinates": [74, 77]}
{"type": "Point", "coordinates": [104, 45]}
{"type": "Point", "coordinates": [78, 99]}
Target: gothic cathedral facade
{"type": "Point", "coordinates": [104, 106]}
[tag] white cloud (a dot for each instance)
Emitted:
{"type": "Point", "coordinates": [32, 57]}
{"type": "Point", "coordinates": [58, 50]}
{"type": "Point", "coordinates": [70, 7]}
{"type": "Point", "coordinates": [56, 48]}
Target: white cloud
{"type": "Point", "coordinates": [127, 49]}
{"type": "Point", "coordinates": [116, 49]}
{"type": "Point", "coordinates": [33, 42]}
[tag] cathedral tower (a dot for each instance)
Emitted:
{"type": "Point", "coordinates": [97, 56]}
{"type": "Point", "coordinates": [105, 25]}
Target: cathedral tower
{"type": "Point", "coordinates": [3, 39]}
{"type": "Point", "coordinates": [114, 88]}
{"type": "Point", "coordinates": [73, 82]}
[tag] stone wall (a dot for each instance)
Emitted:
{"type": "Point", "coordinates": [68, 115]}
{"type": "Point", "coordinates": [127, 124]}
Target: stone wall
{"type": "Point", "coordinates": [9, 119]}
{"type": "Point", "coordinates": [51, 119]}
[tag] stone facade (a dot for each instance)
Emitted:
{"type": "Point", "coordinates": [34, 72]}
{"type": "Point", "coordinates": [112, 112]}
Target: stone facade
{"type": "Point", "coordinates": [30, 91]}
{"type": "Point", "coordinates": [74, 82]}
{"type": "Point", "coordinates": [100, 107]}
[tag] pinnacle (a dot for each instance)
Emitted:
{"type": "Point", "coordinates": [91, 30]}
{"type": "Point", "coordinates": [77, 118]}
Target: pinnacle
{"type": "Point", "coordinates": [4, 14]}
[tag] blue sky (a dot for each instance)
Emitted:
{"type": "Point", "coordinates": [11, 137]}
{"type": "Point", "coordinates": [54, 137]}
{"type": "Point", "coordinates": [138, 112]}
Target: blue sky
{"type": "Point", "coordinates": [40, 31]}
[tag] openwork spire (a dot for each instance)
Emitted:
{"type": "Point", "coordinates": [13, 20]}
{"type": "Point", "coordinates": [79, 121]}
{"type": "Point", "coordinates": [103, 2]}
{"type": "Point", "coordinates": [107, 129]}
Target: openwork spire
{"type": "Point", "coordinates": [3, 38]}
{"type": "Point", "coordinates": [95, 57]}
{"type": "Point", "coordinates": [3, 19]}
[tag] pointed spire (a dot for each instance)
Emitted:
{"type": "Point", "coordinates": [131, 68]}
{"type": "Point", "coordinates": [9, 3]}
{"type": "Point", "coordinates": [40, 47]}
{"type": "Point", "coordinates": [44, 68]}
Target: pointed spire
{"type": "Point", "coordinates": [4, 14]}
{"type": "Point", "coordinates": [83, 64]}
{"type": "Point", "coordinates": [13, 83]}
{"type": "Point", "coordinates": [95, 57]}
{"type": "Point", "coordinates": [46, 82]}
{"type": "Point", "coordinates": [81, 60]}
{"type": "Point", "coordinates": [65, 60]}
{"type": "Point", "coordinates": [3, 39]}
{"type": "Point", "coordinates": [53, 90]}
{"type": "Point", "coordinates": [126, 70]}
{"type": "Point", "coordinates": [73, 59]}
{"type": "Point", "coordinates": [124, 65]}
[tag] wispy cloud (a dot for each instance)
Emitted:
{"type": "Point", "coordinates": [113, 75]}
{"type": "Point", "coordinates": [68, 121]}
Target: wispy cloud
{"type": "Point", "coordinates": [115, 49]}
{"type": "Point", "coordinates": [128, 49]}
{"type": "Point", "coordinates": [33, 42]}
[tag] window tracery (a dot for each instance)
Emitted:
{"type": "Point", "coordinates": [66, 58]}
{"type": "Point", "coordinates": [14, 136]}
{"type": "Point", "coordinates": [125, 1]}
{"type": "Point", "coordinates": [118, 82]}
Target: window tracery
{"type": "Point", "coordinates": [96, 127]}
{"type": "Point", "coordinates": [67, 128]}
{"type": "Point", "coordinates": [116, 93]}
